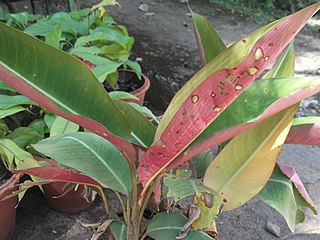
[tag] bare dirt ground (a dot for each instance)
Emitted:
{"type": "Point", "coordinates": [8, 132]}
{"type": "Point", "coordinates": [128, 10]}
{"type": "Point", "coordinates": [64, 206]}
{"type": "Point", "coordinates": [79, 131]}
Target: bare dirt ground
{"type": "Point", "coordinates": [165, 45]}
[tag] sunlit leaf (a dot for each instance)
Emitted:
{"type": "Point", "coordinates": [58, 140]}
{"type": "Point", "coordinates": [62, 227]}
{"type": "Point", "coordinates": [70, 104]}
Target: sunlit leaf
{"type": "Point", "coordinates": [91, 155]}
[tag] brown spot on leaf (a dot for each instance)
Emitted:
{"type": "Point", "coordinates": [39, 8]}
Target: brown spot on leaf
{"type": "Point", "coordinates": [238, 87]}
{"type": "Point", "coordinates": [217, 109]}
{"type": "Point", "coordinates": [252, 70]}
{"type": "Point", "coordinates": [194, 98]}
{"type": "Point", "coordinates": [231, 78]}
{"type": "Point", "coordinates": [258, 55]}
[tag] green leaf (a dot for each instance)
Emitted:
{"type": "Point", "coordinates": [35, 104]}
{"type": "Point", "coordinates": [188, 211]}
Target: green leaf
{"type": "Point", "coordinates": [11, 111]}
{"type": "Point", "coordinates": [305, 120]}
{"type": "Point", "coordinates": [166, 226]}
{"type": "Point", "coordinates": [24, 136]}
{"type": "Point", "coordinates": [209, 42]}
{"type": "Point", "coordinates": [39, 126]}
{"type": "Point", "coordinates": [92, 155]}
{"type": "Point", "coordinates": [102, 71]}
{"type": "Point", "coordinates": [61, 125]}
{"type": "Point", "coordinates": [119, 95]}
{"type": "Point", "coordinates": [3, 128]}
{"type": "Point", "coordinates": [49, 119]}
{"type": "Point", "coordinates": [65, 83]}
{"type": "Point", "coordinates": [244, 166]}
{"type": "Point", "coordinates": [118, 227]}
{"type": "Point", "coordinates": [7, 101]}
{"type": "Point", "coordinates": [281, 194]}
{"type": "Point", "coordinates": [82, 49]}
{"type": "Point", "coordinates": [112, 79]}
{"type": "Point", "coordinates": [181, 187]}
{"type": "Point", "coordinates": [202, 162]}
{"type": "Point", "coordinates": [135, 67]}
{"type": "Point", "coordinates": [144, 110]}
{"type": "Point", "coordinates": [54, 37]}
{"type": "Point", "coordinates": [103, 34]}
{"type": "Point", "coordinates": [4, 86]}
{"type": "Point", "coordinates": [12, 154]}
{"type": "Point", "coordinates": [142, 130]}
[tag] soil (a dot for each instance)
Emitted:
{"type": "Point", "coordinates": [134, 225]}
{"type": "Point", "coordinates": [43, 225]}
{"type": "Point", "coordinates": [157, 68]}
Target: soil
{"type": "Point", "coordinates": [166, 48]}
{"type": "Point", "coordinates": [127, 82]}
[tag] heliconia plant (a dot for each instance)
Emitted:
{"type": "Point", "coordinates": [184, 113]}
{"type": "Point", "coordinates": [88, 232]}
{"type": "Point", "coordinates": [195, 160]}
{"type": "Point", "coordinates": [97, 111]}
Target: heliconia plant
{"type": "Point", "coordinates": [220, 105]}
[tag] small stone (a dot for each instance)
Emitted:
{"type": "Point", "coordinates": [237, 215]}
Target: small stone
{"type": "Point", "coordinates": [185, 24]}
{"type": "Point", "coordinates": [273, 229]}
{"type": "Point", "coordinates": [149, 14]}
{"type": "Point", "coordinates": [144, 8]}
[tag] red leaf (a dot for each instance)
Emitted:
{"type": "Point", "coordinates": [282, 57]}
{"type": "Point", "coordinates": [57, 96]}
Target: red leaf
{"type": "Point", "coordinates": [308, 134]}
{"type": "Point", "coordinates": [206, 103]}
{"type": "Point", "coordinates": [292, 174]}
{"type": "Point", "coordinates": [60, 174]}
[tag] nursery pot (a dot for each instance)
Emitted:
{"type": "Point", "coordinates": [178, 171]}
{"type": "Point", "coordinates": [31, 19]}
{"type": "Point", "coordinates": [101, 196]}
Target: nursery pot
{"type": "Point", "coordinates": [129, 82]}
{"type": "Point", "coordinates": [60, 198]}
{"type": "Point", "coordinates": [8, 209]}
{"type": "Point", "coordinates": [141, 92]}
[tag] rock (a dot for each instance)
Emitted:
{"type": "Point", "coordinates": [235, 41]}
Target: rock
{"type": "Point", "coordinates": [144, 8]}
{"type": "Point", "coordinates": [274, 229]}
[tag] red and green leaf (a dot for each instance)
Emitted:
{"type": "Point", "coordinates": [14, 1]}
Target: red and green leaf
{"type": "Point", "coordinates": [60, 174]}
{"type": "Point", "coordinates": [305, 130]}
{"type": "Point", "coordinates": [281, 194]}
{"type": "Point", "coordinates": [214, 88]}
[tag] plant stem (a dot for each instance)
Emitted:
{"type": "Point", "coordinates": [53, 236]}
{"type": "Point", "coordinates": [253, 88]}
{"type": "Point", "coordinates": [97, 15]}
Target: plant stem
{"type": "Point", "coordinates": [126, 220]}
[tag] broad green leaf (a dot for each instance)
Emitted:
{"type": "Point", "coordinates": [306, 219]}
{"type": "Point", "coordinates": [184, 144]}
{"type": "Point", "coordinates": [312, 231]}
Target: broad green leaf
{"type": "Point", "coordinates": [92, 58]}
{"type": "Point", "coordinates": [49, 119]}
{"type": "Point", "coordinates": [41, 28]}
{"type": "Point", "coordinates": [112, 79]}
{"type": "Point", "coordinates": [244, 166]}
{"type": "Point", "coordinates": [119, 95]}
{"type": "Point", "coordinates": [142, 130]}
{"type": "Point", "coordinates": [92, 155]}
{"type": "Point", "coordinates": [166, 226]}
{"type": "Point", "coordinates": [11, 111]}
{"type": "Point", "coordinates": [24, 136]}
{"type": "Point", "coordinates": [7, 101]}
{"type": "Point", "coordinates": [281, 194]}
{"type": "Point", "coordinates": [144, 110]}
{"type": "Point", "coordinates": [202, 161]}
{"type": "Point", "coordinates": [106, 35]}
{"type": "Point", "coordinates": [39, 126]}
{"type": "Point", "coordinates": [82, 49]}
{"type": "Point", "coordinates": [135, 67]}
{"type": "Point", "coordinates": [62, 126]}
{"type": "Point", "coordinates": [209, 42]}
{"type": "Point", "coordinates": [12, 154]}
{"type": "Point", "coordinates": [54, 38]}
{"type": "Point", "coordinates": [61, 84]}
{"type": "Point", "coordinates": [103, 70]}
{"type": "Point", "coordinates": [118, 228]}
{"type": "Point", "coordinates": [4, 86]}
{"type": "Point", "coordinates": [181, 187]}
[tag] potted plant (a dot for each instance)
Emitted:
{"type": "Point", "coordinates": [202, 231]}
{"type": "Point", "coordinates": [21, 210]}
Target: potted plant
{"type": "Point", "coordinates": [94, 37]}
{"type": "Point", "coordinates": [23, 124]}
{"type": "Point", "coordinates": [126, 153]}
{"type": "Point", "coordinates": [8, 206]}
